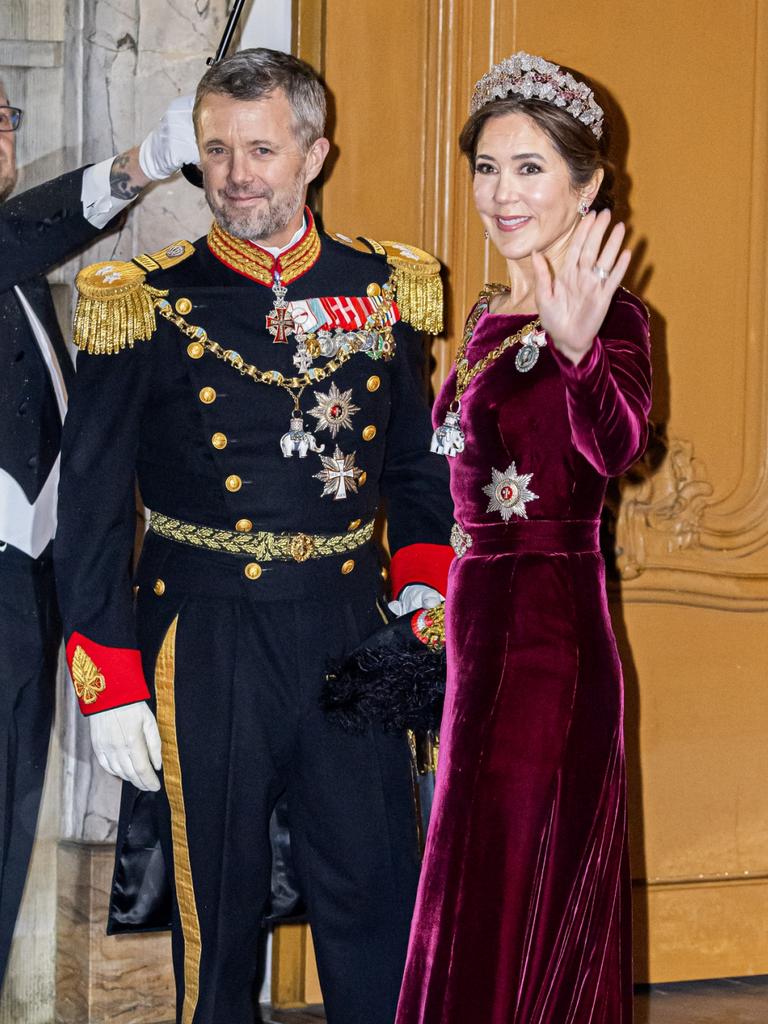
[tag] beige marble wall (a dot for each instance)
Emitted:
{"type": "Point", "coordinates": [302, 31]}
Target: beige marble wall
{"type": "Point", "coordinates": [101, 979]}
{"type": "Point", "coordinates": [92, 78]}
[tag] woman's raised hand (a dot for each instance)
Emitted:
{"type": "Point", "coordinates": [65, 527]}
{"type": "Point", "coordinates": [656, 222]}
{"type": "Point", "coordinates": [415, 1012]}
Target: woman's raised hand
{"type": "Point", "coordinates": [573, 298]}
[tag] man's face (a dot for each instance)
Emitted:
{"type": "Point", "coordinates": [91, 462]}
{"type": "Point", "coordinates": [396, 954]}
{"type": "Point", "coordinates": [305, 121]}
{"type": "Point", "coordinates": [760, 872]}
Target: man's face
{"type": "Point", "coordinates": [8, 171]}
{"type": "Point", "coordinates": [256, 172]}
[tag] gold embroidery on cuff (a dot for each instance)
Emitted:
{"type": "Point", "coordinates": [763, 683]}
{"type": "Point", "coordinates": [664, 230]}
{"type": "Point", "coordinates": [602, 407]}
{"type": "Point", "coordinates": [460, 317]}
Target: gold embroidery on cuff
{"type": "Point", "coordinates": [89, 682]}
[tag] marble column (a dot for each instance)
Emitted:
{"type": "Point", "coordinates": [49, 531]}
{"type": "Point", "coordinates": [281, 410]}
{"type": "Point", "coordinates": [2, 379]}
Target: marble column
{"type": "Point", "coordinates": [93, 77]}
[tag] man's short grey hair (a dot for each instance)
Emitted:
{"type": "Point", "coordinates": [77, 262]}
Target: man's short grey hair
{"type": "Point", "coordinates": [257, 73]}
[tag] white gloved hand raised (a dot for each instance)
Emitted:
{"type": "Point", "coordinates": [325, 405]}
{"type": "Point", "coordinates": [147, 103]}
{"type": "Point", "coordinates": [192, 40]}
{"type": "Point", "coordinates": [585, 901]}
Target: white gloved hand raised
{"type": "Point", "coordinates": [414, 597]}
{"type": "Point", "coordinates": [172, 143]}
{"type": "Point", "coordinates": [126, 742]}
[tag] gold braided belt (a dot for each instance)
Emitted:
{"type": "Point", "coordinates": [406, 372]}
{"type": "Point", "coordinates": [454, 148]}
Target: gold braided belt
{"type": "Point", "coordinates": [264, 546]}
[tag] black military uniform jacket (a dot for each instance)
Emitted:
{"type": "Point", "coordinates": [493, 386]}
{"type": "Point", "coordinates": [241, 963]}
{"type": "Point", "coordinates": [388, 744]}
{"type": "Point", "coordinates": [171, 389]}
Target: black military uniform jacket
{"type": "Point", "coordinates": [38, 229]}
{"type": "Point", "coordinates": [173, 400]}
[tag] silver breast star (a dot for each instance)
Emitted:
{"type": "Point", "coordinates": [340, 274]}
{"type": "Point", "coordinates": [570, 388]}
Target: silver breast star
{"type": "Point", "coordinates": [334, 410]}
{"type": "Point", "coordinates": [339, 474]}
{"type": "Point", "coordinates": [509, 492]}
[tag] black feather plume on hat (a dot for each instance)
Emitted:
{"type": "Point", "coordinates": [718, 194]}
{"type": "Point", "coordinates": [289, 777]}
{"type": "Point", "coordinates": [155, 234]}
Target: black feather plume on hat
{"type": "Point", "coordinates": [395, 679]}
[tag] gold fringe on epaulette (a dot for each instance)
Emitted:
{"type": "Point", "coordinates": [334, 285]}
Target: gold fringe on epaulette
{"type": "Point", "coordinates": [115, 308]}
{"type": "Point", "coordinates": [419, 297]}
{"type": "Point", "coordinates": [419, 290]}
{"type": "Point", "coordinates": [107, 325]}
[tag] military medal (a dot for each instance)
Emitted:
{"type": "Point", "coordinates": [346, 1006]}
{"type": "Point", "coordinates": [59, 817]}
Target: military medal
{"type": "Point", "coordinates": [509, 493]}
{"type": "Point", "coordinates": [334, 410]}
{"type": "Point", "coordinates": [339, 474]}
{"type": "Point", "coordinates": [280, 323]}
{"type": "Point", "coordinates": [299, 440]}
{"type": "Point", "coordinates": [448, 438]}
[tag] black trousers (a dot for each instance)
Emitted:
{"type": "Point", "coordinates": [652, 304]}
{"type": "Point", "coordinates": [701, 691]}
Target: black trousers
{"type": "Point", "coordinates": [237, 676]}
{"type": "Point", "coordinates": [30, 635]}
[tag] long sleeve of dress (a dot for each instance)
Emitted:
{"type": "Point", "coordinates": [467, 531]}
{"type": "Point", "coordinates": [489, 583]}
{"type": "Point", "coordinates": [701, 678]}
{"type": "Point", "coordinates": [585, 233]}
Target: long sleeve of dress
{"type": "Point", "coordinates": [609, 392]}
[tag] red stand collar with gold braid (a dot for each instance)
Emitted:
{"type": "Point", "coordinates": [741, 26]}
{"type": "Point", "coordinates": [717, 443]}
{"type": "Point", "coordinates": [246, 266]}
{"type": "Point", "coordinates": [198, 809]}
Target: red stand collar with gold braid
{"type": "Point", "coordinates": [252, 261]}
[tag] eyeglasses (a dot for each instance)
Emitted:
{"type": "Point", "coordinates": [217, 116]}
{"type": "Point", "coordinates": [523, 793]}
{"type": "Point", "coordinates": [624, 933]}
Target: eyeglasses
{"type": "Point", "coordinates": [10, 118]}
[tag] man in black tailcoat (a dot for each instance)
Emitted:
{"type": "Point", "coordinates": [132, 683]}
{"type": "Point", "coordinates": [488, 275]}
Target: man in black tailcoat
{"type": "Point", "coordinates": [264, 385]}
{"type": "Point", "coordinates": [38, 229]}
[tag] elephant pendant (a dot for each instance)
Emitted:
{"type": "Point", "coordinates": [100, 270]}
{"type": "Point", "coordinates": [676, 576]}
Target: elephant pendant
{"type": "Point", "coordinates": [299, 440]}
{"type": "Point", "coordinates": [448, 439]}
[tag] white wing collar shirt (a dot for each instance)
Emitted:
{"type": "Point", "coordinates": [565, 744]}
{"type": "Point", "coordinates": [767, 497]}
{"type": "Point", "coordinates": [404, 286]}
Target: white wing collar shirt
{"type": "Point", "coordinates": [28, 521]}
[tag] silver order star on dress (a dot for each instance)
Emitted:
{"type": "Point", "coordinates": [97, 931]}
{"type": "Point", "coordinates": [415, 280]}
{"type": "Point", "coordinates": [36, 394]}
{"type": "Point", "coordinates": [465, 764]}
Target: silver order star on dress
{"type": "Point", "coordinates": [535, 78]}
{"type": "Point", "coordinates": [334, 410]}
{"type": "Point", "coordinates": [339, 474]}
{"type": "Point", "coordinates": [509, 493]}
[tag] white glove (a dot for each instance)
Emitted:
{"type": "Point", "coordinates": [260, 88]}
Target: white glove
{"type": "Point", "coordinates": [126, 742]}
{"type": "Point", "coordinates": [414, 597]}
{"type": "Point", "coordinates": [172, 143]}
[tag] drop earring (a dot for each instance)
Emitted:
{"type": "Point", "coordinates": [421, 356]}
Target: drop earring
{"type": "Point", "coordinates": [486, 235]}
{"type": "Point", "coordinates": [583, 208]}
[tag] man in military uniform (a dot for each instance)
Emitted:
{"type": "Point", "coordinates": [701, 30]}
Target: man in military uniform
{"type": "Point", "coordinates": [264, 386]}
{"type": "Point", "coordinates": [38, 229]}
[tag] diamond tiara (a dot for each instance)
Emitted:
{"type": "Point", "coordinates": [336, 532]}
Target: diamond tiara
{"type": "Point", "coordinates": [536, 78]}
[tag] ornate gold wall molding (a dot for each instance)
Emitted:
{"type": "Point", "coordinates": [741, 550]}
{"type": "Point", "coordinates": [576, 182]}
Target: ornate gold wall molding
{"type": "Point", "coordinates": [680, 539]}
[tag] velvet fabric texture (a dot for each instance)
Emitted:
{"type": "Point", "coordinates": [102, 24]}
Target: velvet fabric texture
{"type": "Point", "coordinates": [523, 912]}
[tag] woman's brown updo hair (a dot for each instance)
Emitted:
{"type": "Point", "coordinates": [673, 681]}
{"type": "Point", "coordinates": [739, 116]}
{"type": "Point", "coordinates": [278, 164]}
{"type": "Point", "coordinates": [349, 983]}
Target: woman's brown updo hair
{"type": "Point", "coordinates": [574, 141]}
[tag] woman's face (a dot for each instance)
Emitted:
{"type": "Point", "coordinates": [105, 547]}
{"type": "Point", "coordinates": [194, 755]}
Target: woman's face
{"type": "Point", "coordinates": [523, 189]}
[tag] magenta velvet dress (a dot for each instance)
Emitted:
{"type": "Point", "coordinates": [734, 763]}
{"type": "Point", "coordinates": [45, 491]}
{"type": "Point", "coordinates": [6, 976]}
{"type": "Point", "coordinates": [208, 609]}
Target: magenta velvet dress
{"type": "Point", "coordinates": [523, 912]}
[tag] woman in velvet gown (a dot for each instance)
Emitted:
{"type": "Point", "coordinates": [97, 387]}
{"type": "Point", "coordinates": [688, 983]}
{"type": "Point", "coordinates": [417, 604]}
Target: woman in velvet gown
{"type": "Point", "coordinates": [523, 912]}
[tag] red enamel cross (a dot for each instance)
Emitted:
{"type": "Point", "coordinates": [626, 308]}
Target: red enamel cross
{"type": "Point", "coordinates": [280, 324]}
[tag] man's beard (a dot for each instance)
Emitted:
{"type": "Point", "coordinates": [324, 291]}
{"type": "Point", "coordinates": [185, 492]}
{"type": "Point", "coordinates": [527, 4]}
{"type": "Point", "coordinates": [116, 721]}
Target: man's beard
{"type": "Point", "coordinates": [7, 184]}
{"type": "Point", "coordinates": [262, 222]}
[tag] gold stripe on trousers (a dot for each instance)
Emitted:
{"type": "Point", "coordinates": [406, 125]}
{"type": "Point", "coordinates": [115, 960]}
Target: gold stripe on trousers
{"type": "Point", "coordinates": [165, 673]}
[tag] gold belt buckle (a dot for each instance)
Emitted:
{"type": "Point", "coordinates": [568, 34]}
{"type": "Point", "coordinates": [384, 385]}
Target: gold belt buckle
{"type": "Point", "coordinates": [301, 547]}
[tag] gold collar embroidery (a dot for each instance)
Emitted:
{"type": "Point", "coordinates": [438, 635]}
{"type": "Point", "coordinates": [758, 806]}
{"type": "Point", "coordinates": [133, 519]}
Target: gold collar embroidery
{"type": "Point", "coordinates": [251, 261]}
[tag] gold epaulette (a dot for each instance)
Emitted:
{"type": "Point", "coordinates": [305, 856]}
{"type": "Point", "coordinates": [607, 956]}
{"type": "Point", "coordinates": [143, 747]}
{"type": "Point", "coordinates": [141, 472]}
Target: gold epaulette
{"type": "Point", "coordinates": [418, 286]}
{"type": "Point", "coordinates": [115, 305]}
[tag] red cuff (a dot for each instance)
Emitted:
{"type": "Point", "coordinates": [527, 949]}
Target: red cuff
{"type": "Point", "coordinates": [104, 677]}
{"type": "Point", "coordinates": [421, 563]}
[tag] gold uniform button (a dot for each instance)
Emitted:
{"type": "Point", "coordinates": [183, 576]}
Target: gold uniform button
{"type": "Point", "coordinates": [373, 289]}
{"type": "Point", "coordinates": [253, 570]}
{"type": "Point", "coordinates": [207, 395]}
{"type": "Point", "coordinates": [373, 383]}
{"type": "Point", "coordinates": [355, 524]}
{"type": "Point", "coordinates": [195, 350]}
{"type": "Point", "coordinates": [348, 566]}
{"type": "Point", "coordinates": [159, 587]}
{"type": "Point", "coordinates": [384, 572]}
{"type": "Point", "coordinates": [362, 478]}
{"type": "Point", "coordinates": [219, 441]}
{"type": "Point", "coordinates": [369, 433]}
{"type": "Point", "coordinates": [233, 483]}
{"type": "Point", "coordinates": [243, 525]}
{"type": "Point", "coordinates": [183, 306]}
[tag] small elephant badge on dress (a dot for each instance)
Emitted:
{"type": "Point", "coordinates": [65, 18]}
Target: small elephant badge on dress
{"type": "Point", "coordinates": [448, 439]}
{"type": "Point", "coordinates": [299, 440]}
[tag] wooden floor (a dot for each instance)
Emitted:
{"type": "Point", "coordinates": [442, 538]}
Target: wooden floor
{"type": "Point", "coordinates": [727, 1001]}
